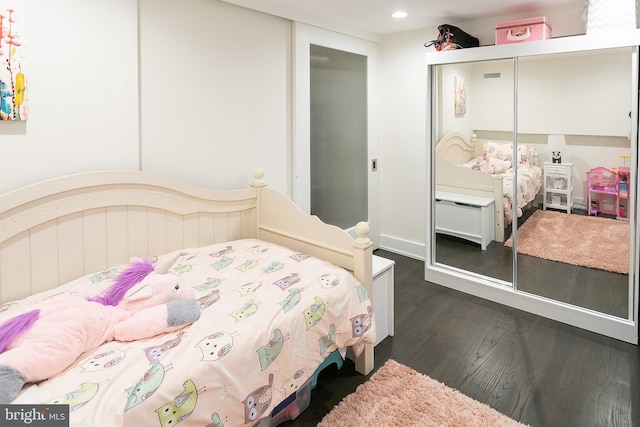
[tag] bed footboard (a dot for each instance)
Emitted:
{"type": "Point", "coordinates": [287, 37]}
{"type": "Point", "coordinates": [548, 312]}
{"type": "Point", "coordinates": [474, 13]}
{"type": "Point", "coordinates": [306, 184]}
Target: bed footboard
{"type": "Point", "coordinates": [281, 221]}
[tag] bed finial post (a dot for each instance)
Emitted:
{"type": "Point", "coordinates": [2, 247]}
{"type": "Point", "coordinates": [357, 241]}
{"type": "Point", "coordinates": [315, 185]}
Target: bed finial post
{"type": "Point", "coordinates": [258, 174]}
{"type": "Point", "coordinates": [363, 271]}
{"type": "Point", "coordinates": [362, 233]}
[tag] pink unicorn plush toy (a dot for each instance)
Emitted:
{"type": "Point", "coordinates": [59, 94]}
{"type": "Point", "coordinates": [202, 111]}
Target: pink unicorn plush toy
{"type": "Point", "coordinates": [141, 303]}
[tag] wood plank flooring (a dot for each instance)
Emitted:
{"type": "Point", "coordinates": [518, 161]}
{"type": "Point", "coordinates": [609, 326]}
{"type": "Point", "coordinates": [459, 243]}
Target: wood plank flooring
{"type": "Point", "coordinates": [540, 372]}
{"type": "Point", "coordinates": [598, 290]}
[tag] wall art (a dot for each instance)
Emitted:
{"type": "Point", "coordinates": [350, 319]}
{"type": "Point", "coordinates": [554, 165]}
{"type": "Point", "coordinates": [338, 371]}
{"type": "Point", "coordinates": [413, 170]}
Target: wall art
{"type": "Point", "coordinates": [460, 96]}
{"type": "Point", "coordinates": [13, 87]}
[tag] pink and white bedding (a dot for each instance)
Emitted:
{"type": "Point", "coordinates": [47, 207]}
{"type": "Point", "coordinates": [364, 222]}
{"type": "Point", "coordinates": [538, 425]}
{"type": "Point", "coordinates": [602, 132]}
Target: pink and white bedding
{"type": "Point", "coordinates": [498, 160]}
{"type": "Point", "coordinates": [529, 182]}
{"type": "Point", "coordinates": [269, 318]}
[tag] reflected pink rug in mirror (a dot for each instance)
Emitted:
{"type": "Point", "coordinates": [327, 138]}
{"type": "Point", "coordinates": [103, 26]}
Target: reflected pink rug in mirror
{"type": "Point", "coordinates": [397, 395]}
{"type": "Point", "coordinates": [589, 241]}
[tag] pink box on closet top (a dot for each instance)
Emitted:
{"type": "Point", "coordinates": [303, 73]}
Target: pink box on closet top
{"type": "Point", "coordinates": [523, 30]}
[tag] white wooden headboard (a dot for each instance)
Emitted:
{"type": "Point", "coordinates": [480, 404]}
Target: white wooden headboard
{"type": "Point", "coordinates": [61, 229]}
{"type": "Point", "coordinates": [55, 231]}
{"type": "Point", "coordinates": [456, 148]}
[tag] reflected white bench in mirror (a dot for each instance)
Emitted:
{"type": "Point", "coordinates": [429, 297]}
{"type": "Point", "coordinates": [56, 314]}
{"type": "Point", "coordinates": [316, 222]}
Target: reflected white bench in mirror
{"type": "Point", "coordinates": [466, 217]}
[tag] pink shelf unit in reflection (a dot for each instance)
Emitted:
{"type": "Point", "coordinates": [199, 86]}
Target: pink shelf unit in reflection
{"type": "Point", "coordinates": [602, 188]}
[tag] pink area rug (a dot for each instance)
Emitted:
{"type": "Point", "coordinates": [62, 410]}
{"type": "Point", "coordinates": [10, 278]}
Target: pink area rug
{"type": "Point", "coordinates": [589, 241]}
{"type": "Point", "coordinates": [397, 395]}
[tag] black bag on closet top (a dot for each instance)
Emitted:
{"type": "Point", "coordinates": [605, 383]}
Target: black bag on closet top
{"type": "Point", "coordinates": [452, 37]}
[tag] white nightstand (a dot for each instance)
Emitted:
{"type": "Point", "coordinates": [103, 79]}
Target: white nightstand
{"type": "Point", "coordinates": [558, 186]}
{"type": "Point", "coordinates": [383, 288]}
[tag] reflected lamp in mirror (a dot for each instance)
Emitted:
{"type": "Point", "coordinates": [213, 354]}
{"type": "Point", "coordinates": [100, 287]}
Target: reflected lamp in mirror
{"type": "Point", "coordinates": [556, 145]}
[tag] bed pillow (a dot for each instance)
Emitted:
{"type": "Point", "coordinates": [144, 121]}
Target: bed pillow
{"type": "Point", "coordinates": [494, 166]}
{"type": "Point", "coordinates": [494, 150]}
{"type": "Point", "coordinates": [488, 165]}
{"type": "Point", "coordinates": [526, 154]}
{"type": "Point", "coordinates": [474, 163]}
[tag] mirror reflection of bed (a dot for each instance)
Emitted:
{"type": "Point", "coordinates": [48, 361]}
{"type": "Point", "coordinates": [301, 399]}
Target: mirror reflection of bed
{"type": "Point", "coordinates": [486, 169]}
{"type": "Point", "coordinates": [483, 170]}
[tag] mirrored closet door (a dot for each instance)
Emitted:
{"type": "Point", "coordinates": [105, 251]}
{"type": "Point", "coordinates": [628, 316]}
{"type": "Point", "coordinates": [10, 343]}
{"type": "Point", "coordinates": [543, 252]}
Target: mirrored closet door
{"type": "Point", "coordinates": [574, 246]}
{"type": "Point", "coordinates": [533, 178]}
{"type": "Point", "coordinates": [471, 223]}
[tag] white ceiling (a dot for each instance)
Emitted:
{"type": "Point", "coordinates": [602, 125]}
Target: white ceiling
{"type": "Point", "coordinates": [374, 16]}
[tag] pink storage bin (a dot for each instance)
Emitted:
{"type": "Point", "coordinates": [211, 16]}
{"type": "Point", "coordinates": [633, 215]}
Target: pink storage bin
{"type": "Point", "coordinates": [523, 30]}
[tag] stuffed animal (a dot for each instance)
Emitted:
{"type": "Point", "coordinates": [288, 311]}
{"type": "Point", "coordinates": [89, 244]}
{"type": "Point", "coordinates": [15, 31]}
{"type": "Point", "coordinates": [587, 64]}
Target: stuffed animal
{"type": "Point", "coordinates": [556, 157]}
{"type": "Point", "coordinates": [493, 165]}
{"type": "Point", "coordinates": [143, 302]}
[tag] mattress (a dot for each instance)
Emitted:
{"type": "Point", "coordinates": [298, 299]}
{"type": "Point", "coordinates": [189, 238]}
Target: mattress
{"type": "Point", "coordinates": [529, 183]}
{"type": "Point", "coordinates": [269, 317]}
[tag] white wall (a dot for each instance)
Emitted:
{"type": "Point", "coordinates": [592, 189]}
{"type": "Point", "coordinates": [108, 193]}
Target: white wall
{"type": "Point", "coordinates": [197, 89]}
{"type": "Point", "coordinates": [215, 97]}
{"type": "Point", "coordinates": [403, 123]}
{"type": "Point", "coordinates": [449, 120]}
{"type": "Point", "coordinates": [553, 97]}
{"type": "Point", "coordinates": [402, 142]}
{"type": "Point", "coordinates": [82, 86]}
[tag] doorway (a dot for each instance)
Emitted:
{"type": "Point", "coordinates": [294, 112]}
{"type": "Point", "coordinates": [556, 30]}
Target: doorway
{"type": "Point", "coordinates": [338, 140]}
{"type": "Point", "coordinates": [335, 128]}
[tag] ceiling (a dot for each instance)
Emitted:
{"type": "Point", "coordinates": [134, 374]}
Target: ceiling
{"type": "Point", "coordinates": [374, 16]}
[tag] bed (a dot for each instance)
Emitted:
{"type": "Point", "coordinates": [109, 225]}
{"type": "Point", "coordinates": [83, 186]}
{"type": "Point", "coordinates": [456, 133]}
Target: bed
{"type": "Point", "coordinates": [245, 253]}
{"type": "Point", "coordinates": [485, 169]}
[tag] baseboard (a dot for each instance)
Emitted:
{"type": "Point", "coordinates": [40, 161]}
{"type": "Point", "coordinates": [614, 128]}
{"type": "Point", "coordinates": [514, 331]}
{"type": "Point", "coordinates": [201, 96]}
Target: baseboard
{"type": "Point", "coordinates": [402, 247]}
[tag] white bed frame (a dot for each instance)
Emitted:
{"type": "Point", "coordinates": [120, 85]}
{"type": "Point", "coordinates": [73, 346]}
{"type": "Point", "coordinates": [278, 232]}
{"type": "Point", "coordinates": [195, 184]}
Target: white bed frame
{"type": "Point", "coordinates": [57, 230]}
{"type": "Point", "coordinates": [454, 149]}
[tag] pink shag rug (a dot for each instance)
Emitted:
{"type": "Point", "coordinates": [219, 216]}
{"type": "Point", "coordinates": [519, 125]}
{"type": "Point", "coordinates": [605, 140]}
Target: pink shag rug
{"type": "Point", "coordinates": [589, 241]}
{"type": "Point", "coordinates": [397, 395]}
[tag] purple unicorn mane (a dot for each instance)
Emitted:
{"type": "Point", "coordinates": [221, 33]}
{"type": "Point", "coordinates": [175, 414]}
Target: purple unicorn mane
{"type": "Point", "coordinates": [124, 281]}
{"type": "Point", "coordinates": [16, 326]}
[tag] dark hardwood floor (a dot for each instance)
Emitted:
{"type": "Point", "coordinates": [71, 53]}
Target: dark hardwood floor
{"type": "Point", "coordinates": [535, 370]}
{"type": "Point", "coordinates": [598, 290]}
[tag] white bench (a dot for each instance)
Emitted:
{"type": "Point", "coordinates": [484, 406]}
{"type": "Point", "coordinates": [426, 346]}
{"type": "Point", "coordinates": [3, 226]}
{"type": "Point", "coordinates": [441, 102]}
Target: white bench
{"type": "Point", "coordinates": [466, 217]}
{"type": "Point", "coordinates": [383, 299]}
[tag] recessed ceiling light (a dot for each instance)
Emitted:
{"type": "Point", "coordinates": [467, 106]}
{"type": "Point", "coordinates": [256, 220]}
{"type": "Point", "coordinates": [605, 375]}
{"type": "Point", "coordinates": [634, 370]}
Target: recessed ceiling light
{"type": "Point", "coordinates": [399, 14]}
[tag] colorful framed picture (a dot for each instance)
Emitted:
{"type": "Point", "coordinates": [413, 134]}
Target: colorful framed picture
{"type": "Point", "coordinates": [460, 96]}
{"type": "Point", "coordinates": [13, 84]}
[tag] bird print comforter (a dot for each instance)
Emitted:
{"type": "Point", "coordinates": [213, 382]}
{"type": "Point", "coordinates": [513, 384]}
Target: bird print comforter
{"type": "Point", "coordinates": [269, 316]}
